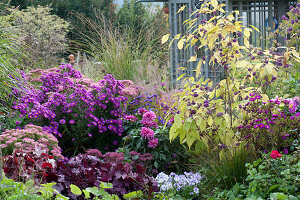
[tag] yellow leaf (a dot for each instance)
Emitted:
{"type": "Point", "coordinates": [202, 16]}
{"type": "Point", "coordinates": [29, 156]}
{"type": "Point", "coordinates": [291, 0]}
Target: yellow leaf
{"type": "Point", "coordinates": [181, 9]}
{"type": "Point", "coordinates": [230, 17]}
{"type": "Point", "coordinates": [210, 120]}
{"type": "Point", "coordinates": [247, 32]}
{"type": "Point", "coordinates": [255, 28]}
{"type": "Point", "coordinates": [227, 119]}
{"type": "Point", "coordinates": [180, 77]}
{"type": "Point", "coordinates": [180, 43]}
{"type": "Point", "coordinates": [198, 71]}
{"type": "Point", "coordinates": [264, 97]}
{"type": "Point", "coordinates": [270, 69]}
{"type": "Point", "coordinates": [214, 3]}
{"type": "Point", "coordinates": [193, 58]}
{"type": "Point", "coordinates": [165, 38]}
{"type": "Point", "coordinates": [246, 42]}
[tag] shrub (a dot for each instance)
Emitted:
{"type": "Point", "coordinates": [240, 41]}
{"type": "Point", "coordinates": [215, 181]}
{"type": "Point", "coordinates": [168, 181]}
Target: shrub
{"type": "Point", "coordinates": [36, 165]}
{"type": "Point", "coordinates": [43, 34]}
{"type": "Point", "coordinates": [10, 190]}
{"type": "Point", "coordinates": [80, 113]}
{"type": "Point", "coordinates": [146, 136]}
{"type": "Point", "coordinates": [92, 168]}
{"type": "Point", "coordinates": [268, 178]}
{"type": "Point", "coordinates": [272, 124]}
{"type": "Point", "coordinates": [29, 139]}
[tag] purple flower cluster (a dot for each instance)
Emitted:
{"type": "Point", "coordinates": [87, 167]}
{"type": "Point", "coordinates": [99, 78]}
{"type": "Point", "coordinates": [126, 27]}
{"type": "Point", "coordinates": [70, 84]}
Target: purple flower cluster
{"type": "Point", "coordinates": [66, 101]}
{"type": "Point", "coordinates": [272, 124]}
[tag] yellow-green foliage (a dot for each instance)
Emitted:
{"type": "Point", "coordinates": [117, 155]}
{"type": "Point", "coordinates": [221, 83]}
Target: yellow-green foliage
{"type": "Point", "coordinates": [43, 34]}
{"type": "Point", "coordinates": [213, 125]}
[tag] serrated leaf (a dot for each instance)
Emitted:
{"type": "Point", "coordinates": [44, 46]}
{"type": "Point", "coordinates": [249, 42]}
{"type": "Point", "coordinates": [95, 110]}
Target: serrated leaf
{"type": "Point", "coordinates": [165, 38]}
{"type": "Point", "coordinates": [75, 190]}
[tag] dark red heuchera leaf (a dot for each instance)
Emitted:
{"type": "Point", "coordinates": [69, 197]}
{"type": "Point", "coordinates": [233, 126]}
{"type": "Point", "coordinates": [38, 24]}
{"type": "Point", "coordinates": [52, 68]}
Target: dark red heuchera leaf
{"type": "Point", "coordinates": [92, 168]}
{"type": "Point", "coordinates": [22, 166]}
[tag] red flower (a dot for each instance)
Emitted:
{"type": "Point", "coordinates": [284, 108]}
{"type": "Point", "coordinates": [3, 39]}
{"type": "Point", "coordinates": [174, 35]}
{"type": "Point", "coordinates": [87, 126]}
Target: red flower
{"type": "Point", "coordinates": [275, 154]}
{"type": "Point", "coordinates": [47, 165]}
{"type": "Point", "coordinates": [51, 157]}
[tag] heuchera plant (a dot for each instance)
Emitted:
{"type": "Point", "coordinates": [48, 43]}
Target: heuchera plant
{"type": "Point", "coordinates": [36, 165]}
{"type": "Point", "coordinates": [92, 168]}
{"type": "Point", "coordinates": [29, 139]}
{"type": "Point", "coordinates": [80, 113]}
{"type": "Point", "coordinates": [271, 124]}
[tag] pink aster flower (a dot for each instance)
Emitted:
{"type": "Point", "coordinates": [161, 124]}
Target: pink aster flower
{"type": "Point", "coordinates": [149, 116]}
{"type": "Point", "coordinates": [153, 143]}
{"type": "Point", "coordinates": [147, 132]}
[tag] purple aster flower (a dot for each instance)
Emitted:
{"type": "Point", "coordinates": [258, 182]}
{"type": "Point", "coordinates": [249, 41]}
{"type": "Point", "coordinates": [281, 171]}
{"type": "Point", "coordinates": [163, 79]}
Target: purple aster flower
{"type": "Point", "coordinates": [267, 127]}
{"type": "Point", "coordinates": [285, 151]}
{"type": "Point", "coordinates": [62, 121]}
{"type": "Point", "coordinates": [252, 99]}
{"type": "Point", "coordinates": [115, 142]}
{"type": "Point", "coordinates": [90, 135]}
{"type": "Point", "coordinates": [258, 97]}
{"type": "Point", "coordinates": [72, 121]}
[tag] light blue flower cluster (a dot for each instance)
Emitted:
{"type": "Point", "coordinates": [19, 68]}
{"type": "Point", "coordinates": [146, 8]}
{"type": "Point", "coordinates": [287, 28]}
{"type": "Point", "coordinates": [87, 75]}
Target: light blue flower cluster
{"type": "Point", "coordinates": [179, 182]}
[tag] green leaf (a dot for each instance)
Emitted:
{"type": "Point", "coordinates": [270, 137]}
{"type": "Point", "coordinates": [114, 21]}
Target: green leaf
{"type": "Point", "coordinates": [75, 190]}
{"type": "Point", "coordinates": [86, 194]}
{"type": "Point", "coordinates": [106, 185]}
{"type": "Point", "coordinates": [273, 187]}
{"type": "Point", "coordinates": [133, 195]}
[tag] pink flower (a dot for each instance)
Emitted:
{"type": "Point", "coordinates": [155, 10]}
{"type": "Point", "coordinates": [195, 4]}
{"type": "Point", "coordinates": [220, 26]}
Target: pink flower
{"type": "Point", "coordinates": [149, 124]}
{"type": "Point", "coordinates": [131, 118]}
{"type": "Point", "coordinates": [149, 116]}
{"type": "Point", "coordinates": [142, 111]}
{"type": "Point", "coordinates": [153, 143]}
{"type": "Point", "coordinates": [147, 132]}
{"type": "Point", "coordinates": [292, 105]}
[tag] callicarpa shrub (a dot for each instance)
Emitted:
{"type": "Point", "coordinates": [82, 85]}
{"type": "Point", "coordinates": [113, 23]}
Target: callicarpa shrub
{"type": "Point", "coordinates": [29, 139]}
{"type": "Point", "coordinates": [82, 114]}
{"type": "Point", "coordinates": [272, 124]}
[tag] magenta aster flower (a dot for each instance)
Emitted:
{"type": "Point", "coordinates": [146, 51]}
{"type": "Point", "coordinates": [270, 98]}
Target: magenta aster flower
{"type": "Point", "coordinates": [142, 111]}
{"type": "Point", "coordinates": [72, 121]}
{"type": "Point", "coordinates": [147, 132]}
{"type": "Point", "coordinates": [153, 143]}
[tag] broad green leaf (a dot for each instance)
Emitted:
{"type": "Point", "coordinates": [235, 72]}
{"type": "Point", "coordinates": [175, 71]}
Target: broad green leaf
{"type": "Point", "coordinates": [86, 194]}
{"type": "Point", "coordinates": [210, 120]}
{"type": "Point", "coordinates": [165, 38]}
{"type": "Point", "coordinates": [133, 195]}
{"type": "Point", "coordinates": [75, 190]}
{"type": "Point", "coordinates": [106, 185]}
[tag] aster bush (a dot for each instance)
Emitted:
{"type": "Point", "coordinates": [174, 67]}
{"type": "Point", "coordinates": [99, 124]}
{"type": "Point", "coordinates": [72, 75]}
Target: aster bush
{"type": "Point", "coordinates": [146, 136]}
{"type": "Point", "coordinates": [271, 124]}
{"type": "Point", "coordinates": [82, 114]}
{"type": "Point", "coordinates": [29, 139]}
